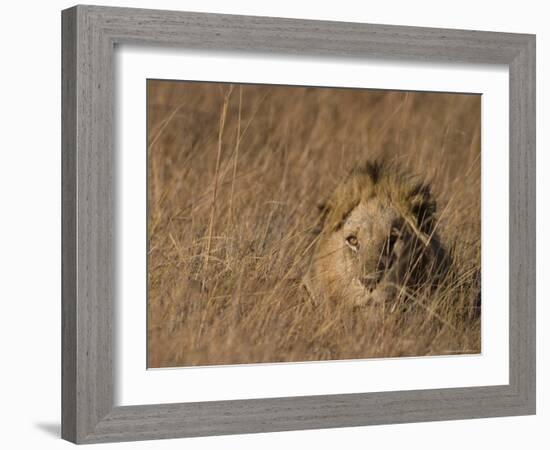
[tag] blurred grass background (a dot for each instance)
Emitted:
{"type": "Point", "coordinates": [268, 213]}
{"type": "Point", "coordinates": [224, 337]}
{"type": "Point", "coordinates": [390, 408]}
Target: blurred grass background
{"type": "Point", "coordinates": [235, 174]}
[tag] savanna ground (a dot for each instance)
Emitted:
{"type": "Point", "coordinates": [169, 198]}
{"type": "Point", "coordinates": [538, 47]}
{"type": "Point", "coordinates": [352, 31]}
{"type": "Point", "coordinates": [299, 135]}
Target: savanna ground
{"type": "Point", "coordinates": [235, 174]}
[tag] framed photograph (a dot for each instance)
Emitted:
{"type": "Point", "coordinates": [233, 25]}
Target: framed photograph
{"type": "Point", "coordinates": [277, 224]}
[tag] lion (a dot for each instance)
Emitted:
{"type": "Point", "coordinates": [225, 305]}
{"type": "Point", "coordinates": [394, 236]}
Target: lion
{"type": "Point", "coordinates": [377, 240]}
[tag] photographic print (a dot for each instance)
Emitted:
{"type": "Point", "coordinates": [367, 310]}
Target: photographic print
{"type": "Point", "coordinates": [293, 224]}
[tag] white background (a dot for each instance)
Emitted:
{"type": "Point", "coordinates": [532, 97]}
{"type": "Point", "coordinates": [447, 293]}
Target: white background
{"type": "Point", "coordinates": [30, 224]}
{"type": "Point", "coordinates": [135, 385]}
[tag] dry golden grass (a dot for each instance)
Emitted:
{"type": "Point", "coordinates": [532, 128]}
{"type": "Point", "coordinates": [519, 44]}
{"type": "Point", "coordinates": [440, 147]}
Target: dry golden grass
{"type": "Point", "coordinates": [234, 176]}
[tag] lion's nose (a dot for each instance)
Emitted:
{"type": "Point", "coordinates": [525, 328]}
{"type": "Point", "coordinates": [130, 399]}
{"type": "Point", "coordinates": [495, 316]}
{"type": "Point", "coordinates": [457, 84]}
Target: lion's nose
{"type": "Point", "coordinates": [371, 280]}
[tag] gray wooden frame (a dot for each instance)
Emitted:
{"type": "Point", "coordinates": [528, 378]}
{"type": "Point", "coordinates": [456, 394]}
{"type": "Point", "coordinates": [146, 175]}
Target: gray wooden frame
{"type": "Point", "coordinates": [89, 34]}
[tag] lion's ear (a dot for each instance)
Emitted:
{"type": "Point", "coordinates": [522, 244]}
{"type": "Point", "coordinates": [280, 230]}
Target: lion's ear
{"type": "Point", "coordinates": [373, 169]}
{"type": "Point", "coordinates": [423, 206]}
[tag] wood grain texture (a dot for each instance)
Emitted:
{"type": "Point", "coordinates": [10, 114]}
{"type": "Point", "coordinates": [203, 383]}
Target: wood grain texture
{"type": "Point", "coordinates": [88, 190]}
{"type": "Point", "coordinates": [522, 282]}
{"type": "Point", "coordinates": [88, 298]}
{"type": "Point", "coordinates": [68, 225]}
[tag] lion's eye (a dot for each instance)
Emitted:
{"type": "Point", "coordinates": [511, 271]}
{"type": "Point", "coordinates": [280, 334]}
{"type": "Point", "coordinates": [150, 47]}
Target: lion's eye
{"type": "Point", "coordinates": [352, 240]}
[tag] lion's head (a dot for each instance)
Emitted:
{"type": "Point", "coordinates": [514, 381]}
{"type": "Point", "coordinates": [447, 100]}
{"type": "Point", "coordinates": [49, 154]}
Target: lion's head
{"type": "Point", "coordinates": [377, 238]}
